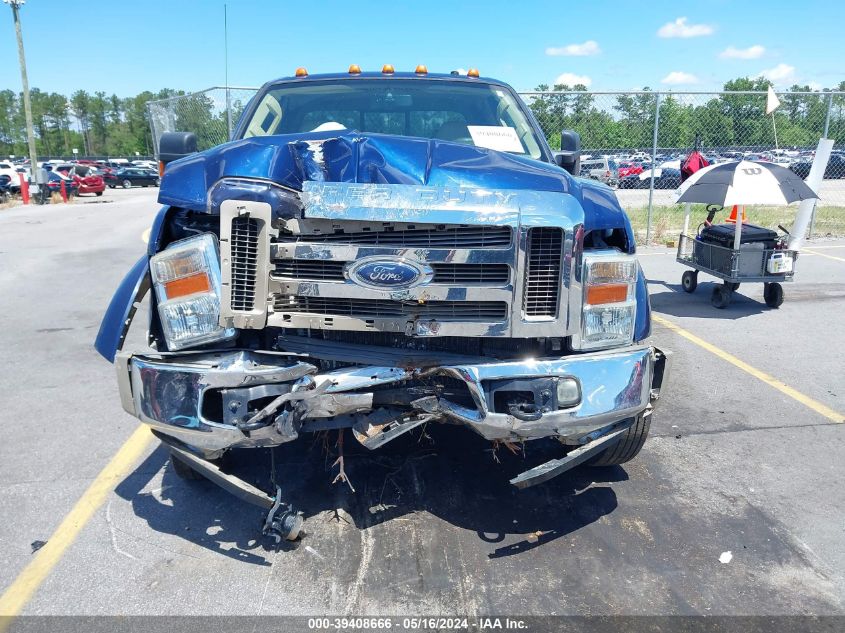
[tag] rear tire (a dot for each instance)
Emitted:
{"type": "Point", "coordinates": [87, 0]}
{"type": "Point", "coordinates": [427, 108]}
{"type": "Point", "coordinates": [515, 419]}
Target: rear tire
{"type": "Point", "coordinates": [629, 445]}
{"type": "Point", "coordinates": [689, 280]}
{"type": "Point", "coordinates": [127, 184]}
{"type": "Point", "coordinates": [99, 193]}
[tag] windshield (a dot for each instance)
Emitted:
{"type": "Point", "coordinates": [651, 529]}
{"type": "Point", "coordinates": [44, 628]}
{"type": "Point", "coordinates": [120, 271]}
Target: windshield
{"type": "Point", "coordinates": [480, 114]}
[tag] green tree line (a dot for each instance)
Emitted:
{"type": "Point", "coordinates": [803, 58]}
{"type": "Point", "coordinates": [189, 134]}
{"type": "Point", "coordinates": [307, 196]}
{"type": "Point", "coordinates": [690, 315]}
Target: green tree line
{"type": "Point", "coordinates": [96, 124]}
{"type": "Point", "coordinates": [99, 124]}
{"type": "Point", "coordinates": [627, 120]}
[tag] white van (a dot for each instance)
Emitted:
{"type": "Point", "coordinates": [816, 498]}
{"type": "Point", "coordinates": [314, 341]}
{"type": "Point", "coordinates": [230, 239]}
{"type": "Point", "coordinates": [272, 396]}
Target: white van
{"type": "Point", "coordinates": [601, 168]}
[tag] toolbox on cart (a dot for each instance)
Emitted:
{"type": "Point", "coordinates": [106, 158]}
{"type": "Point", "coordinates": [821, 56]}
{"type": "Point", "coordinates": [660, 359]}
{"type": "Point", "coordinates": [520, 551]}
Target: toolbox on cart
{"type": "Point", "coordinates": [754, 241]}
{"type": "Point", "coordinates": [723, 235]}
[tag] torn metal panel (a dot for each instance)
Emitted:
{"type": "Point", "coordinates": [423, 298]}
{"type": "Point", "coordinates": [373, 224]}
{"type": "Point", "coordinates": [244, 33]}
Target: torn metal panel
{"type": "Point", "coordinates": [384, 425]}
{"type": "Point", "coordinates": [555, 467]}
{"type": "Point", "coordinates": [236, 486]}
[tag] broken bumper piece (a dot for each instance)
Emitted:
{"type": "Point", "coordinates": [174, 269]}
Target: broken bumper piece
{"type": "Point", "coordinates": [212, 401]}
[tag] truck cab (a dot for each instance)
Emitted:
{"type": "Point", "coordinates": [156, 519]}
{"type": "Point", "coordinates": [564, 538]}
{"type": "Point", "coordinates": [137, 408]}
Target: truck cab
{"type": "Point", "coordinates": [376, 251]}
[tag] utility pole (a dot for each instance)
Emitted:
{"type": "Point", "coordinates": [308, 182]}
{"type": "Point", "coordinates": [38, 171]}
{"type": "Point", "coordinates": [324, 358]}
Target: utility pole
{"type": "Point", "coordinates": [27, 105]}
{"type": "Point", "coordinates": [226, 72]}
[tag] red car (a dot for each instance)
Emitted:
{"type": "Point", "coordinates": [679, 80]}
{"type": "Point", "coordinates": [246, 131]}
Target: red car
{"type": "Point", "coordinates": [84, 177]}
{"type": "Point", "coordinates": [90, 184]}
{"type": "Point", "coordinates": [630, 169]}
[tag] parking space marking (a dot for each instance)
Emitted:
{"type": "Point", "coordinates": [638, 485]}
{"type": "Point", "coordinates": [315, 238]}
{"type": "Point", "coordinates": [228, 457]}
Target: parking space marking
{"type": "Point", "coordinates": [815, 252]}
{"type": "Point", "coordinates": [20, 592]}
{"type": "Point", "coordinates": [807, 401]}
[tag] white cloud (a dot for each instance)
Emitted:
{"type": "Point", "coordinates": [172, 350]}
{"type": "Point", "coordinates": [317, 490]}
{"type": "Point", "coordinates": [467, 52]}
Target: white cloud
{"type": "Point", "coordinates": [815, 85]}
{"type": "Point", "coordinates": [571, 79]}
{"type": "Point", "coordinates": [590, 47]}
{"type": "Point", "coordinates": [677, 77]}
{"type": "Point", "coordinates": [782, 73]}
{"type": "Point", "coordinates": [752, 52]}
{"type": "Point", "coordinates": [680, 28]}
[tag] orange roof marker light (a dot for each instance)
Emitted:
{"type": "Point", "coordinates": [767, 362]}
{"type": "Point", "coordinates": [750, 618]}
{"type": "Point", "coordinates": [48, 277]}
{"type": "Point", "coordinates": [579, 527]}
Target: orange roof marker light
{"type": "Point", "coordinates": [387, 69]}
{"type": "Point", "coordinates": [473, 72]}
{"type": "Point", "coordinates": [301, 72]}
{"type": "Point", "coordinates": [354, 69]}
{"type": "Point", "coordinates": [421, 70]}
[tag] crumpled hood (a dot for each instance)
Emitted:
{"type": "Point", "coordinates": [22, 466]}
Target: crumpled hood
{"type": "Point", "coordinates": [292, 159]}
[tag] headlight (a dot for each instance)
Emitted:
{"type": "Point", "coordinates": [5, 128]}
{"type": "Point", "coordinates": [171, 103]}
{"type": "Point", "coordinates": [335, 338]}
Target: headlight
{"type": "Point", "coordinates": [186, 278]}
{"type": "Point", "coordinates": [609, 301]}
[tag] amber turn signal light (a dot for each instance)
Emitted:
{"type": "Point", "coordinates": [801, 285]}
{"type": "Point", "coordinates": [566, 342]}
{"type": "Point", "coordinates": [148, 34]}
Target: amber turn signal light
{"type": "Point", "coordinates": [387, 69]}
{"type": "Point", "coordinates": [354, 69]}
{"type": "Point", "coordinates": [198, 282]}
{"type": "Point", "coordinates": [607, 293]}
{"type": "Point", "coordinates": [301, 72]}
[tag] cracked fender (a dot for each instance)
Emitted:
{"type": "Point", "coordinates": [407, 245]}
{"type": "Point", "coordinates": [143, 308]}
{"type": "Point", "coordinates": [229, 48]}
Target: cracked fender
{"type": "Point", "coordinates": [122, 309]}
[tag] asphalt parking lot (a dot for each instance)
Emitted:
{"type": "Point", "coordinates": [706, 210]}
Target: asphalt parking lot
{"type": "Point", "coordinates": [733, 507]}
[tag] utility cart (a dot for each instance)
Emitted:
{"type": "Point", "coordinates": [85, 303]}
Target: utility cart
{"type": "Point", "coordinates": [761, 256]}
{"type": "Point", "coordinates": [722, 250]}
{"type": "Point", "coordinates": [735, 266]}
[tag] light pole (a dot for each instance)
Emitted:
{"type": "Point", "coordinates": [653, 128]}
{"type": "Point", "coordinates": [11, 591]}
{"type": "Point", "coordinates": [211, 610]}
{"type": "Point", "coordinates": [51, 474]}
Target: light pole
{"type": "Point", "coordinates": [27, 105]}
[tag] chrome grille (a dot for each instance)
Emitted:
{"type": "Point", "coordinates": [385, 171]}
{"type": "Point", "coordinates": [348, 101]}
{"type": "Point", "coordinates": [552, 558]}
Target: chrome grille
{"type": "Point", "coordinates": [315, 269]}
{"type": "Point", "coordinates": [327, 270]}
{"type": "Point", "coordinates": [542, 273]}
{"type": "Point", "coordinates": [430, 236]}
{"type": "Point", "coordinates": [468, 274]}
{"type": "Point", "coordinates": [244, 245]}
{"type": "Point", "coordinates": [386, 309]}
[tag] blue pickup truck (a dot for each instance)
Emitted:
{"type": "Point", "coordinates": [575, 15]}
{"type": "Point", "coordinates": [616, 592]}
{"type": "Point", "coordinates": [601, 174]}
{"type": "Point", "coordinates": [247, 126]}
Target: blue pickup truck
{"type": "Point", "coordinates": [374, 251]}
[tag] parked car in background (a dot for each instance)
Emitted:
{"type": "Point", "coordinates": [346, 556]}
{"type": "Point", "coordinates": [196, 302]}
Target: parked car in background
{"type": "Point", "coordinates": [108, 176]}
{"type": "Point", "coordinates": [55, 180]}
{"type": "Point", "coordinates": [835, 167]}
{"type": "Point", "coordinates": [604, 169]}
{"type": "Point", "coordinates": [664, 178]}
{"type": "Point", "coordinates": [7, 169]}
{"type": "Point", "coordinates": [628, 168]}
{"type": "Point", "coordinates": [88, 180]}
{"type": "Point", "coordinates": [135, 177]}
{"type": "Point", "coordinates": [5, 187]}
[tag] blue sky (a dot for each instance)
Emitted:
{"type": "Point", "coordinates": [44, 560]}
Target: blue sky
{"type": "Point", "coordinates": [123, 47]}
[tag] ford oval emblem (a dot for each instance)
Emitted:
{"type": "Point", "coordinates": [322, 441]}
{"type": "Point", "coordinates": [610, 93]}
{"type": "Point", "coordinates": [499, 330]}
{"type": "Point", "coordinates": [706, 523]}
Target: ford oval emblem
{"type": "Point", "coordinates": [387, 273]}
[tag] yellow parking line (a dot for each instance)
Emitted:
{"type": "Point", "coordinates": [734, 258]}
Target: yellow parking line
{"type": "Point", "coordinates": [815, 252]}
{"type": "Point", "coordinates": [20, 592]}
{"type": "Point", "coordinates": [807, 401]}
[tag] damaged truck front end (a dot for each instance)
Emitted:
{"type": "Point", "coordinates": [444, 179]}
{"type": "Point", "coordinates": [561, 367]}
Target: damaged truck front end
{"type": "Point", "coordinates": [325, 281]}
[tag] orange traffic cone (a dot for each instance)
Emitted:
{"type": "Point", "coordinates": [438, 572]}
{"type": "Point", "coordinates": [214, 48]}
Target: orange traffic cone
{"type": "Point", "coordinates": [732, 216]}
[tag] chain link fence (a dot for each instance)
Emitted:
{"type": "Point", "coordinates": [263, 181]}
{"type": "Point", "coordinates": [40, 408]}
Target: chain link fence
{"type": "Point", "coordinates": [210, 114]}
{"type": "Point", "coordinates": [624, 135]}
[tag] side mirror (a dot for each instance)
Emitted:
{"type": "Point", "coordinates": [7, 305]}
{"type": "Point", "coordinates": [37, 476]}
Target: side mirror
{"type": "Point", "coordinates": [173, 145]}
{"type": "Point", "coordinates": [569, 156]}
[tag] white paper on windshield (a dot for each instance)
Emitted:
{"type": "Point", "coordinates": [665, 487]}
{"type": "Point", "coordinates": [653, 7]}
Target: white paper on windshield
{"type": "Point", "coordinates": [499, 138]}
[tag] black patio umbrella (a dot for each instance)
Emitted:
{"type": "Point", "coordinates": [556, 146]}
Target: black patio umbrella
{"type": "Point", "coordinates": [745, 182]}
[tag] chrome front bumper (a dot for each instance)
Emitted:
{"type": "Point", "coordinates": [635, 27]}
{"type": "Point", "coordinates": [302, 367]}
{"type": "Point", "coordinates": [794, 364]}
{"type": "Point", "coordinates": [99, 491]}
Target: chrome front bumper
{"type": "Point", "coordinates": [170, 392]}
